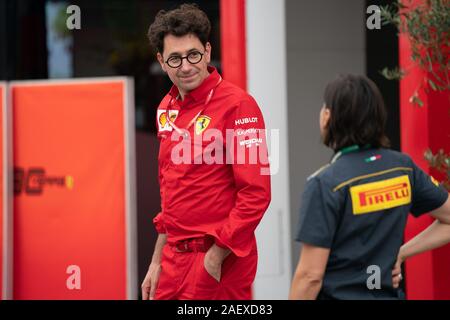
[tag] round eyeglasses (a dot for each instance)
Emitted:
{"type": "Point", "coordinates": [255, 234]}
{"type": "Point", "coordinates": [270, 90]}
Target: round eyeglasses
{"type": "Point", "coordinates": [193, 57]}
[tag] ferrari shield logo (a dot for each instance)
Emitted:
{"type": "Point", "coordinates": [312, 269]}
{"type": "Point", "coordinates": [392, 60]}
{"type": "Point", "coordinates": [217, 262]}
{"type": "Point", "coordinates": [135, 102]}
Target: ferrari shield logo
{"type": "Point", "coordinates": [201, 124]}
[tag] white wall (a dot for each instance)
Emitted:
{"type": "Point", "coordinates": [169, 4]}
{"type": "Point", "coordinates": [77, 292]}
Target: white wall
{"type": "Point", "coordinates": [294, 47]}
{"type": "Point", "coordinates": [266, 69]}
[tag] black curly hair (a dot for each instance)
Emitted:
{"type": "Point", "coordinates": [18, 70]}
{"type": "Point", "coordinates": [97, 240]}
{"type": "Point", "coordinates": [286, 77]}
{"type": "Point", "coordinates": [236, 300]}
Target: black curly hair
{"type": "Point", "coordinates": [187, 19]}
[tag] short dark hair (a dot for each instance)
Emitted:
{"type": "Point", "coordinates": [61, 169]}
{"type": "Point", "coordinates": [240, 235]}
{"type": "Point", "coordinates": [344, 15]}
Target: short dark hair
{"type": "Point", "coordinates": [358, 113]}
{"type": "Point", "coordinates": [187, 19]}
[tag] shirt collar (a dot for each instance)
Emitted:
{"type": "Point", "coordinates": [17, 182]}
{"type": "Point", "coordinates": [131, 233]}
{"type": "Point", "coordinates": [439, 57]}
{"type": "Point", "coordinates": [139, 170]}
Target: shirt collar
{"type": "Point", "coordinates": [349, 149]}
{"type": "Point", "coordinates": [202, 91]}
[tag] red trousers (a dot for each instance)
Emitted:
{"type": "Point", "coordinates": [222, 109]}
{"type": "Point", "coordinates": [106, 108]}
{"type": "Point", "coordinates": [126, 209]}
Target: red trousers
{"type": "Point", "coordinates": [184, 277]}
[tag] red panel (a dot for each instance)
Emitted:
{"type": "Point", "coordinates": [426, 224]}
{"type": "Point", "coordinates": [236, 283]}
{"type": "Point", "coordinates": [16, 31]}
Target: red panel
{"type": "Point", "coordinates": [414, 141]}
{"type": "Point", "coordinates": [233, 41]}
{"type": "Point", "coordinates": [427, 274]}
{"type": "Point", "coordinates": [70, 211]}
{"type": "Point", "coordinates": [2, 213]}
{"type": "Point", "coordinates": [439, 134]}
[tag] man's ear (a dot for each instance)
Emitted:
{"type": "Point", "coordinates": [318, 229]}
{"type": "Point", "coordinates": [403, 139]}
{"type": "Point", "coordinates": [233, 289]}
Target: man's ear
{"type": "Point", "coordinates": [161, 61]}
{"type": "Point", "coordinates": [208, 50]}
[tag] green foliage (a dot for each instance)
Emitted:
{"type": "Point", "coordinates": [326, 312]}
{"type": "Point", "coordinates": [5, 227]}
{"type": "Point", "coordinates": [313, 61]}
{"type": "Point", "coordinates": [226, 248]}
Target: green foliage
{"type": "Point", "coordinates": [393, 74]}
{"type": "Point", "coordinates": [441, 162]}
{"type": "Point", "coordinates": [427, 26]}
{"type": "Point", "coordinates": [59, 24]}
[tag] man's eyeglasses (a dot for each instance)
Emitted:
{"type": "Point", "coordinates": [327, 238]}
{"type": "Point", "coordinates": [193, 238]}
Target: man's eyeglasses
{"type": "Point", "coordinates": [193, 57]}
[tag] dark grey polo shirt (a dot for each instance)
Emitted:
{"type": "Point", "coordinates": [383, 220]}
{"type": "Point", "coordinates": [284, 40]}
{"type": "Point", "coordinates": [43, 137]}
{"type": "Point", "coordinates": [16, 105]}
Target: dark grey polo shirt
{"type": "Point", "coordinates": [357, 207]}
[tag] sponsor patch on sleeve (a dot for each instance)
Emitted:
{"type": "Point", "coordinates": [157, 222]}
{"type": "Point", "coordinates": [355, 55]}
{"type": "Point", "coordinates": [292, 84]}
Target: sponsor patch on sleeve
{"type": "Point", "coordinates": [380, 195]}
{"type": "Point", "coordinates": [163, 124]}
{"type": "Point", "coordinates": [436, 183]}
{"type": "Point", "coordinates": [247, 120]}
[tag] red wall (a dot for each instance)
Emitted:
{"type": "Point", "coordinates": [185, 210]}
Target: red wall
{"type": "Point", "coordinates": [427, 275]}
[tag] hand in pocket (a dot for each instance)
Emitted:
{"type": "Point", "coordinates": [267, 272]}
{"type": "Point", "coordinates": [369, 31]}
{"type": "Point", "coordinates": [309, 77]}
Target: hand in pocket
{"type": "Point", "coordinates": [214, 269]}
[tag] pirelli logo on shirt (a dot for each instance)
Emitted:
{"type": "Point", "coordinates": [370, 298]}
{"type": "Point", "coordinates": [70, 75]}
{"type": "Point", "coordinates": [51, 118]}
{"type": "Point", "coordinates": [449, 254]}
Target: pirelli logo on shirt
{"type": "Point", "coordinates": [380, 195]}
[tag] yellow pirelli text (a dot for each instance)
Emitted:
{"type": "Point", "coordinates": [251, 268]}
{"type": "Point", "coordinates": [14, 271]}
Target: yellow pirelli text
{"type": "Point", "coordinates": [381, 195]}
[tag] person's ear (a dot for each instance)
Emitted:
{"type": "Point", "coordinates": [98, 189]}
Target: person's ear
{"type": "Point", "coordinates": [161, 61]}
{"type": "Point", "coordinates": [208, 50]}
{"type": "Point", "coordinates": [327, 116]}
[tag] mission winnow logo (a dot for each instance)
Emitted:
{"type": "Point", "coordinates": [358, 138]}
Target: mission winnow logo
{"type": "Point", "coordinates": [34, 181]}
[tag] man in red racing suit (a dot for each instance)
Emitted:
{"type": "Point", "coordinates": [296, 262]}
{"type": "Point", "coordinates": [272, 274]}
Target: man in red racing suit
{"type": "Point", "coordinates": [213, 171]}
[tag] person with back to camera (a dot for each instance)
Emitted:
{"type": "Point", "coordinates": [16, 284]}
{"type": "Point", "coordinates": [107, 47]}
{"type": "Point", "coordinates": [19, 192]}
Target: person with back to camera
{"type": "Point", "coordinates": [354, 210]}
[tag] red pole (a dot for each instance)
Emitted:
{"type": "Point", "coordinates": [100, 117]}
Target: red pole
{"type": "Point", "coordinates": [414, 141]}
{"type": "Point", "coordinates": [233, 42]}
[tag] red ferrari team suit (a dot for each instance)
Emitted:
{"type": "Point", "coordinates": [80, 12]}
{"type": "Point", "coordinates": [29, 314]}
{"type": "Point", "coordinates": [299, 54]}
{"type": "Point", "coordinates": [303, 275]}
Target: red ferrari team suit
{"type": "Point", "coordinates": [203, 201]}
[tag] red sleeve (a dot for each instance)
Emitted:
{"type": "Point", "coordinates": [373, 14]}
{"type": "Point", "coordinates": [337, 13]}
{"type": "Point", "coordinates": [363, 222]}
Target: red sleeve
{"type": "Point", "coordinates": [251, 176]}
{"type": "Point", "coordinates": [158, 220]}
